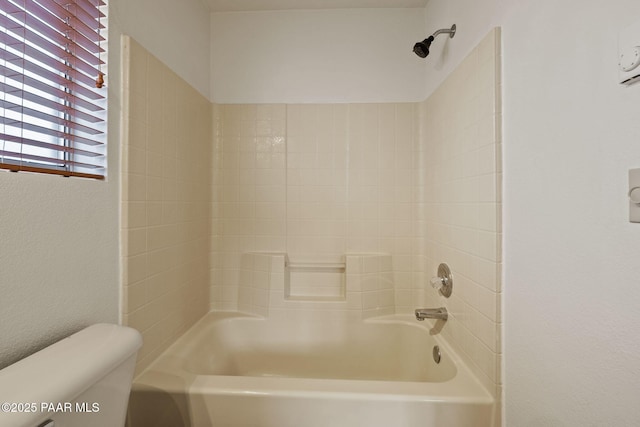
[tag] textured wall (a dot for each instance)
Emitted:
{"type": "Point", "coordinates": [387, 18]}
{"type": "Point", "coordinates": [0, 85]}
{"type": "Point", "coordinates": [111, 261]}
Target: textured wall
{"type": "Point", "coordinates": [58, 258]}
{"type": "Point", "coordinates": [166, 186]}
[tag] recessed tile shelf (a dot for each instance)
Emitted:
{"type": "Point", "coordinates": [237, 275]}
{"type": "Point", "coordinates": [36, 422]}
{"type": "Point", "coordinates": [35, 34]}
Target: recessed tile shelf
{"type": "Point", "coordinates": [315, 281]}
{"type": "Point", "coordinates": [362, 285]}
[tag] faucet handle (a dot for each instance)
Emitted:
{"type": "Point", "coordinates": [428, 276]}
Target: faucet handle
{"type": "Point", "coordinates": [438, 282]}
{"type": "Point", "coordinates": [443, 282]}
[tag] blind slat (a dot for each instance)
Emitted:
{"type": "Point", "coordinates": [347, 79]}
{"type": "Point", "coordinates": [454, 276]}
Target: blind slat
{"type": "Point", "coordinates": [49, 103]}
{"type": "Point", "coordinates": [49, 118]}
{"type": "Point", "coordinates": [40, 56]}
{"type": "Point", "coordinates": [20, 16]}
{"type": "Point", "coordinates": [44, 87]}
{"type": "Point", "coordinates": [47, 145]}
{"type": "Point", "coordinates": [50, 75]}
{"type": "Point", "coordinates": [48, 46]}
{"type": "Point", "coordinates": [48, 16]}
{"type": "Point", "coordinates": [7, 121]}
{"type": "Point", "coordinates": [79, 12]}
{"type": "Point", "coordinates": [91, 8]}
{"type": "Point", "coordinates": [69, 21]}
{"type": "Point", "coordinates": [45, 159]}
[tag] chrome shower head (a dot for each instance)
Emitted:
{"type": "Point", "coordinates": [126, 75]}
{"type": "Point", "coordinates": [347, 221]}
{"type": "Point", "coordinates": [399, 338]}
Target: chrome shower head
{"type": "Point", "coordinates": [422, 48]}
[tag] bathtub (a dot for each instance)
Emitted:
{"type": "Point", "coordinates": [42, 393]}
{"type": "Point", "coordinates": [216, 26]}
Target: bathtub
{"type": "Point", "coordinates": [308, 370]}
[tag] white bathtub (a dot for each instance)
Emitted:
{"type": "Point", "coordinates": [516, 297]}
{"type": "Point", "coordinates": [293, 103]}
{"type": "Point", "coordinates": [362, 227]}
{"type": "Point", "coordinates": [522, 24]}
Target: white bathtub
{"type": "Point", "coordinates": [308, 371]}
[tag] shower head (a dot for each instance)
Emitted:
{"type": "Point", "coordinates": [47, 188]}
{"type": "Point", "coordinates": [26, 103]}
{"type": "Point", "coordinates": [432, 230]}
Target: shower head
{"type": "Point", "coordinates": [422, 48]}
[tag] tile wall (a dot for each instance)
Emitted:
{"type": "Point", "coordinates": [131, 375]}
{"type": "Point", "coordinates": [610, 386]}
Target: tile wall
{"type": "Point", "coordinates": [459, 204]}
{"type": "Point", "coordinates": [317, 177]}
{"type": "Point", "coordinates": [166, 187]}
{"type": "Point", "coordinates": [315, 181]}
{"type": "Point", "coordinates": [215, 208]}
{"type": "Point", "coordinates": [370, 280]}
{"type": "Point", "coordinates": [265, 278]}
{"type": "Point", "coordinates": [411, 185]}
{"type": "Point", "coordinates": [250, 186]}
{"type": "Point", "coordinates": [255, 282]}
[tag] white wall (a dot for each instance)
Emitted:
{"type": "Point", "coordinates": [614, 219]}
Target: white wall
{"type": "Point", "coordinates": [59, 260]}
{"type": "Point", "coordinates": [319, 56]}
{"type": "Point", "coordinates": [571, 258]}
{"type": "Point", "coordinates": [176, 32]}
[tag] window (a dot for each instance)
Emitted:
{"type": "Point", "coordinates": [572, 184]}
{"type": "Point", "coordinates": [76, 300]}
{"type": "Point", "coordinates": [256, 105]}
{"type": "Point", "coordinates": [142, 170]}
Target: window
{"type": "Point", "coordinates": [52, 102]}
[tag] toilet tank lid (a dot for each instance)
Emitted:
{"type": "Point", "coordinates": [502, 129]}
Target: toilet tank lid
{"type": "Point", "coordinates": [65, 369]}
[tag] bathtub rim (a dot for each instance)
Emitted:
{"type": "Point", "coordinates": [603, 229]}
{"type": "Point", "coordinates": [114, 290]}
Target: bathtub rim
{"type": "Point", "coordinates": [166, 372]}
{"type": "Point", "coordinates": [416, 354]}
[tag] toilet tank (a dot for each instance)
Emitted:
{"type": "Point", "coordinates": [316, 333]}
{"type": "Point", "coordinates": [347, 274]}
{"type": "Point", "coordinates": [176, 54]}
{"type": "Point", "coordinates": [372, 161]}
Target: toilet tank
{"type": "Point", "coordinates": [83, 380]}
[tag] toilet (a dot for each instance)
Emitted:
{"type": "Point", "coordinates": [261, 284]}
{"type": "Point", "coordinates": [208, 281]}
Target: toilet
{"type": "Point", "coordinates": [83, 380]}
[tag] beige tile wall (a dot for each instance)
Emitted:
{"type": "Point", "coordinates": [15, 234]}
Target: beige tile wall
{"type": "Point", "coordinates": [460, 204]}
{"type": "Point", "coordinates": [370, 279]}
{"type": "Point", "coordinates": [317, 177]}
{"type": "Point", "coordinates": [250, 185]}
{"type": "Point", "coordinates": [420, 182]}
{"type": "Point", "coordinates": [255, 281]}
{"type": "Point", "coordinates": [316, 182]}
{"type": "Point", "coordinates": [215, 208]}
{"type": "Point", "coordinates": [367, 284]}
{"type": "Point", "coordinates": [166, 193]}
{"type": "Point", "coordinates": [382, 139]}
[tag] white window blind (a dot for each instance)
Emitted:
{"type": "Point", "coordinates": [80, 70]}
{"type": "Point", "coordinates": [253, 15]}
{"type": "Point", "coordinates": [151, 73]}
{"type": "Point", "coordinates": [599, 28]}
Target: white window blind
{"type": "Point", "coordinates": [52, 102]}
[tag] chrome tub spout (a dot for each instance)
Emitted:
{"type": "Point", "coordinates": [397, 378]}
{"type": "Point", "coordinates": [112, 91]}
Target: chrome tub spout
{"type": "Point", "coordinates": [432, 313]}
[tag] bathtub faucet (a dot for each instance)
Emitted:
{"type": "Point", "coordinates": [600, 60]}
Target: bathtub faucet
{"type": "Point", "coordinates": [432, 313]}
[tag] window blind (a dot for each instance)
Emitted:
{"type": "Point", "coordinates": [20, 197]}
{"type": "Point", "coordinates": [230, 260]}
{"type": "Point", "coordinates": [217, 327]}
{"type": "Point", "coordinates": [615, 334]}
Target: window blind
{"type": "Point", "coordinates": [52, 102]}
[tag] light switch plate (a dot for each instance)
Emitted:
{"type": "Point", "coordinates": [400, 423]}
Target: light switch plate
{"type": "Point", "coordinates": [634, 208]}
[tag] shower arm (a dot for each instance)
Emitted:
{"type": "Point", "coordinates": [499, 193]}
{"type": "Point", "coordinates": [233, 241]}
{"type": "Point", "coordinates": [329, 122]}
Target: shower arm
{"type": "Point", "coordinates": [421, 48]}
{"type": "Point", "coordinates": [451, 32]}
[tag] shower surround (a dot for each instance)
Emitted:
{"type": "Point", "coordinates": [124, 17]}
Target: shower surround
{"type": "Point", "coordinates": [460, 204]}
{"type": "Point", "coordinates": [418, 183]}
{"type": "Point", "coordinates": [166, 186]}
{"type": "Point", "coordinates": [318, 182]}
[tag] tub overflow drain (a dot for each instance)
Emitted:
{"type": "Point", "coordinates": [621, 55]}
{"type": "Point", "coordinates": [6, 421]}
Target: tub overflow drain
{"type": "Point", "coordinates": [436, 354]}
